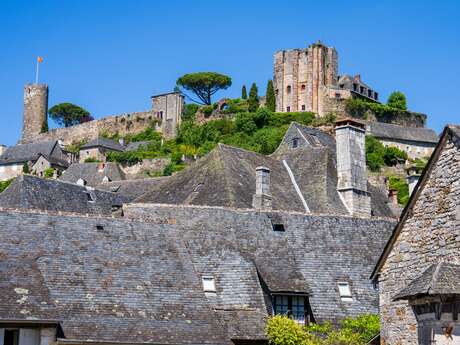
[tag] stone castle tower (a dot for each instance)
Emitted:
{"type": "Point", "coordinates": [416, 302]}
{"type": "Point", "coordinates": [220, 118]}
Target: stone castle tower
{"type": "Point", "coordinates": [300, 75]}
{"type": "Point", "coordinates": [35, 116]}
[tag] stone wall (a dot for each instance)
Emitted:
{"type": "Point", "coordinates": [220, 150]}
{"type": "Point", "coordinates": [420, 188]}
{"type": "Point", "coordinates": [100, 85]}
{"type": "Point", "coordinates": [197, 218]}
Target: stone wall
{"type": "Point", "coordinates": [8, 171]}
{"type": "Point", "coordinates": [430, 233]}
{"type": "Point", "coordinates": [123, 124]}
{"type": "Point", "coordinates": [154, 165]}
{"type": "Point", "coordinates": [35, 117]}
{"type": "Point", "coordinates": [414, 149]}
{"type": "Point", "coordinates": [168, 108]}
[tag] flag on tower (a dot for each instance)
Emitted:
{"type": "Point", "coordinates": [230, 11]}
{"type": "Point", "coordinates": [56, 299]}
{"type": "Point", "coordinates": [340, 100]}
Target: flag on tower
{"type": "Point", "coordinates": [39, 59]}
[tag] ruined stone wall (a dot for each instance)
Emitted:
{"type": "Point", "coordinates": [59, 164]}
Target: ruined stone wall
{"type": "Point", "coordinates": [35, 117]}
{"type": "Point", "coordinates": [414, 149]}
{"type": "Point", "coordinates": [431, 233]}
{"type": "Point", "coordinates": [122, 124]}
{"type": "Point", "coordinates": [146, 165]}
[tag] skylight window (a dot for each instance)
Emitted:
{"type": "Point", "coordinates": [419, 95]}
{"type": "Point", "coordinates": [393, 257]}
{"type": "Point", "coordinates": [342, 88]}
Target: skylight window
{"type": "Point", "coordinates": [209, 284]}
{"type": "Point", "coordinates": [345, 291]}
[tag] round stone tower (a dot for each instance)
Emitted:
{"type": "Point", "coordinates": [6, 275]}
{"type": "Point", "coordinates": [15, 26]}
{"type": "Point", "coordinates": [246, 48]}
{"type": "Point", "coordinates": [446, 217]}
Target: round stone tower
{"type": "Point", "coordinates": [35, 118]}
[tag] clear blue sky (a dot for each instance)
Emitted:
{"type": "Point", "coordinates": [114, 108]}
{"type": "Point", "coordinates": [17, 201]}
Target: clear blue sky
{"type": "Point", "coordinates": [111, 56]}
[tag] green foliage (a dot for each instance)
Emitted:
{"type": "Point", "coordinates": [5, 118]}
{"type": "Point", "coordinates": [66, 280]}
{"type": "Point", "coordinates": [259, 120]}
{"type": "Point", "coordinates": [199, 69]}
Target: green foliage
{"type": "Point", "coordinates": [253, 101]}
{"type": "Point", "coordinates": [190, 111]}
{"type": "Point", "coordinates": [172, 168]}
{"type": "Point", "coordinates": [25, 168]}
{"type": "Point", "coordinates": [377, 155]}
{"type": "Point", "coordinates": [402, 187]}
{"type": "Point", "coordinates": [270, 102]}
{"type": "Point", "coordinates": [236, 105]}
{"type": "Point", "coordinates": [68, 114]}
{"type": "Point", "coordinates": [244, 93]}
{"type": "Point", "coordinates": [357, 107]}
{"type": "Point", "coordinates": [204, 84]}
{"type": "Point", "coordinates": [75, 146]}
{"type": "Point", "coordinates": [397, 100]}
{"type": "Point", "coordinates": [48, 173]}
{"type": "Point", "coordinates": [207, 110]}
{"type": "Point", "coordinates": [44, 128]}
{"type": "Point", "coordinates": [281, 330]}
{"type": "Point", "coordinates": [91, 160]}
{"type": "Point", "coordinates": [4, 184]}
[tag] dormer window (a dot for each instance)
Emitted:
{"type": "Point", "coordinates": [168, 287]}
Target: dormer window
{"type": "Point", "coordinates": [293, 306]}
{"type": "Point", "coordinates": [209, 284]}
{"type": "Point", "coordinates": [345, 291]}
{"type": "Point", "coordinates": [295, 143]}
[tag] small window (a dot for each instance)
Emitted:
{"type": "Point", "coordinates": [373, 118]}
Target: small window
{"type": "Point", "coordinates": [288, 109]}
{"type": "Point", "coordinates": [90, 197]}
{"type": "Point", "coordinates": [276, 92]}
{"type": "Point", "coordinates": [99, 227]}
{"type": "Point", "coordinates": [376, 96]}
{"type": "Point", "coordinates": [303, 87]}
{"type": "Point", "coordinates": [209, 285]}
{"type": "Point", "coordinates": [344, 292]}
{"type": "Point", "coordinates": [295, 143]}
{"type": "Point", "coordinates": [303, 107]}
{"type": "Point", "coordinates": [278, 227]}
{"type": "Point", "coordinates": [337, 95]}
{"type": "Point", "coordinates": [288, 89]}
{"type": "Point", "coordinates": [11, 337]}
{"type": "Point", "coordinates": [293, 306]}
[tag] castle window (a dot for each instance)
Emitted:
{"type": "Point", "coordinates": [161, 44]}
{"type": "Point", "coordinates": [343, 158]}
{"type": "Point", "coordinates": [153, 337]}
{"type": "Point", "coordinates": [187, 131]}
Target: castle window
{"type": "Point", "coordinates": [288, 89]}
{"type": "Point", "coordinates": [209, 284]}
{"type": "Point", "coordinates": [276, 92]}
{"type": "Point", "coordinates": [288, 109]}
{"type": "Point", "coordinates": [303, 107]}
{"type": "Point", "coordinates": [344, 291]}
{"type": "Point", "coordinates": [295, 143]}
{"type": "Point", "coordinates": [355, 87]}
{"type": "Point", "coordinates": [303, 87]}
{"type": "Point", "coordinates": [376, 96]}
{"type": "Point", "coordinates": [337, 95]}
{"type": "Point", "coordinates": [369, 93]}
{"type": "Point", "coordinates": [361, 89]}
{"type": "Point", "coordinates": [291, 305]}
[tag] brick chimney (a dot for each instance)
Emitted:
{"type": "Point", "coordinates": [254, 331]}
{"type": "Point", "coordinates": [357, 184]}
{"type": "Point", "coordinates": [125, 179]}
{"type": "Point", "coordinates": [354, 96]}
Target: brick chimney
{"type": "Point", "coordinates": [262, 199]}
{"type": "Point", "coordinates": [351, 166]}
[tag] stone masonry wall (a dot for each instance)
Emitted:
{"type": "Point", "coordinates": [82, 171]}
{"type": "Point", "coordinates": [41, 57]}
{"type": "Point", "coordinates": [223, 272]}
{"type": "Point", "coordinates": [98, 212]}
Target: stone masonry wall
{"type": "Point", "coordinates": [431, 233]}
{"type": "Point", "coordinates": [35, 115]}
{"type": "Point", "coordinates": [122, 124]}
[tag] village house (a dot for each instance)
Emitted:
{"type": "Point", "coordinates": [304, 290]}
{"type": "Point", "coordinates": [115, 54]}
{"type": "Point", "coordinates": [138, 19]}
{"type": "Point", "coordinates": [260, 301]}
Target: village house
{"type": "Point", "coordinates": [419, 271]}
{"type": "Point", "coordinates": [96, 149]}
{"type": "Point", "coordinates": [92, 174]}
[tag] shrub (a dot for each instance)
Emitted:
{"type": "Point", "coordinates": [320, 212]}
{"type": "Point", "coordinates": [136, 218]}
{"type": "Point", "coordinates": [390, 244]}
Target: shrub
{"type": "Point", "coordinates": [207, 110]}
{"type": "Point", "coordinates": [190, 111]}
{"type": "Point", "coordinates": [244, 93]}
{"type": "Point", "coordinates": [281, 330]}
{"type": "Point", "coordinates": [4, 184]}
{"type": "Point", "coordinates": [400, 184]}
{"type": "Point", "coordinates": [393, 156]}
{"type": "Point", "coordinates": [128, 157]}
{"type": "Point", "coordinates": [25, 168]}
{"type": "Point", "coordinates": [172, 168]}
{"type": "Point", "coordinates": [91, 160]}
{"type": "Point", "coordinates": [374, 153]}
{"type": "Point", "coordinates": [397, 100]}
{"type": "Point", "coordinates": [48, 173]}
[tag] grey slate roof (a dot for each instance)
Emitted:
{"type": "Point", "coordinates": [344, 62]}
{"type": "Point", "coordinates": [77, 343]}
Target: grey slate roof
{"type": "Point", "coordinates": [140, 282]}
{"type": "Point", "coordinates": [226, 177]}
{"type": "Point", "coordinates": [93, 173]}
{"type": "Point", "coordinates": [105, 143]}
{"type": "Point", "coordinates": [56, 161]}
{"type": "Point", "coordinates": [132, 189]}
{"type": "Point", "coordinates": [390, 131]}
{"type": "Point", "coordinates": [31, 192]}
{"type": "Point", "coordinates": [441, 278]}
{"type": "Point", "coordinates": [27, 152]}
{"type": "Point", "coordinates": [135, 145]}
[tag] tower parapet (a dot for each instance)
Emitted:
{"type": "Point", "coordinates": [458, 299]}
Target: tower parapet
{"type": "Point", "coordinates": [35, 117]}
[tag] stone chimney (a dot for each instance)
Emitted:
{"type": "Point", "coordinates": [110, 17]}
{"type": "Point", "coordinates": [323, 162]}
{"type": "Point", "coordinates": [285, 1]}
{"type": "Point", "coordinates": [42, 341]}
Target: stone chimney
{"type": "Point", "coordinates": [351, 166]}
{"type": "Point", "coordinates": [262, 199]}
{"type": "Point", "coordinates": [393, 196]}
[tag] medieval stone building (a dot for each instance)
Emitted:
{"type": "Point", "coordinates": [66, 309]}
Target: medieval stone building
{"type": "Point", "coordinates": [308, 80]}
{"type": "Point", "coordinates": [419, 271]}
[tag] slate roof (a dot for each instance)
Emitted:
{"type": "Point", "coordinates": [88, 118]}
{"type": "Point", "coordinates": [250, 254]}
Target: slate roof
{"type": "Point", "coordinates": [135, 145]}
{"type": "Point", "coordinates": [132, 189]}
{"type": "Point", "coordinates": [390, 131]}
{"type": "Point", "coordinates": [103, 142]}
{"type": "Point", "coordinates": [226, 177]}
{"type": "Point", "coordinates": [55, 160]}
{"type": "Point", "coordinates": [93, 173]}
{"type": "Point", "coordinates": [27, 152]}
{"type": "Point", "coordinates": [31, 192]}
{"type": "Point", "coordinates": [441, 278]}
{"type": "Point", "coordinates": [121, 280]}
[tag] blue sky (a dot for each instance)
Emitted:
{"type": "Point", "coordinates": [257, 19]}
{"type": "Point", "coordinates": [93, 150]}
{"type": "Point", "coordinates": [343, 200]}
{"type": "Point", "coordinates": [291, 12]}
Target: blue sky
{"type": "Point", "coordinates": [111, 56]}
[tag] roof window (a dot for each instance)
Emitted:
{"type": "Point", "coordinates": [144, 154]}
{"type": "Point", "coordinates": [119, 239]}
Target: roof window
{"type": "Point", "coordinates": [345, 291]}
{"type": "Point", "coordinates": [209, 284]}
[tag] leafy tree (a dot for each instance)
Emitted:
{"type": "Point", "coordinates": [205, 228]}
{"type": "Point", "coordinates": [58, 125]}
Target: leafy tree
{"type": "Point", "coordinates": [270, 97]}
{"type": "Point", "coordinates": [48, 173]}
{"type": "Point", "coordinates": [393, 156]}
{"type": "Point", "coordinates": [244, 93]}
{"type": "Point", "coordinates": [397, 100]}
{"type": "Point", "coordinates": [190, 111]}
{"type": "Point", "coordinates": [374, 153]}
{"type": "Point", "coordinates": [204, 84]}
{"type": "Point", "coordinates": [281, 330]}
{"type": "Point", "coordinates": [4, 184]}
{"type": "Point", "coordinates": [25, 168]}
{"type": "Point", "coordinates": [68, 114]}
{"type": "Point", "coordinates": [253, 98]}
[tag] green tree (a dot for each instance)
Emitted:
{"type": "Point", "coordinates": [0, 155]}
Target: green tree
{"type": "Point", "coordinates": [253, 98]}
{"type": "Point", "coordinates": [68, 114]}
{"type": "Point", "coordinates": [25, 168]}
{"type": "Point", "coordinates": [204, 84]}
{"type": "Point", "coordinates": [397, 100]}
{"type": "Point", "coordinates": [270, 102]}
{"type": "Point", "coordinates": [48, 173]}
{"type": "Point", "coordinates": [4, 184]}
{"type": "Point", "coordinates": [244, 93]}
{"type": "Point", "coordinates": [190, 111]}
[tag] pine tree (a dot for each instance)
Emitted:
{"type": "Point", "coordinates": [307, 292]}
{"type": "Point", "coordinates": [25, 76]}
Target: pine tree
{"type": "Point", "coordinates": [253, 102]}
{"type": "Point", "coordinates": [244, 94]}
{"type": "Point", "coordinates": [270, 102]}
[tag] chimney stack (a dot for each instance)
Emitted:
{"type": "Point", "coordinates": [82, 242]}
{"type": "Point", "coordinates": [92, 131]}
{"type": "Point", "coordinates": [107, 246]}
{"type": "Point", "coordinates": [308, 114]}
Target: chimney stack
{"type": "Point", "coordinates": [393, 196]}
{"type": "Point", "coordinates": [262, 199]}
{"type": "Point", "coordinates": [351, 166]}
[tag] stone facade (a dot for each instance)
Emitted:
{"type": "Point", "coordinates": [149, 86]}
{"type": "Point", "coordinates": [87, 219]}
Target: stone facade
{"type": "Point", "coordinates": [9, 171]}
{"type": "Point", "coordinates": [168, 108]}
{"type": "Point", "coordinates": [429, 232]}
{"type": "Point", "coordinates": [2, 149]}
{"type": "Point", "coordinates": [414, 149]}
{"type": "Point", "coordinates": [35, 118]}
{"type": "Point", "coordinates": [154, 165]}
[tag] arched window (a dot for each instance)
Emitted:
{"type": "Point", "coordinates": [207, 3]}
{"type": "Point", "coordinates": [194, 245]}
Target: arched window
{"type": "Point", "coordinates": [288, 89]}
{"type": "Point", "coordinates": [303, 87]}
